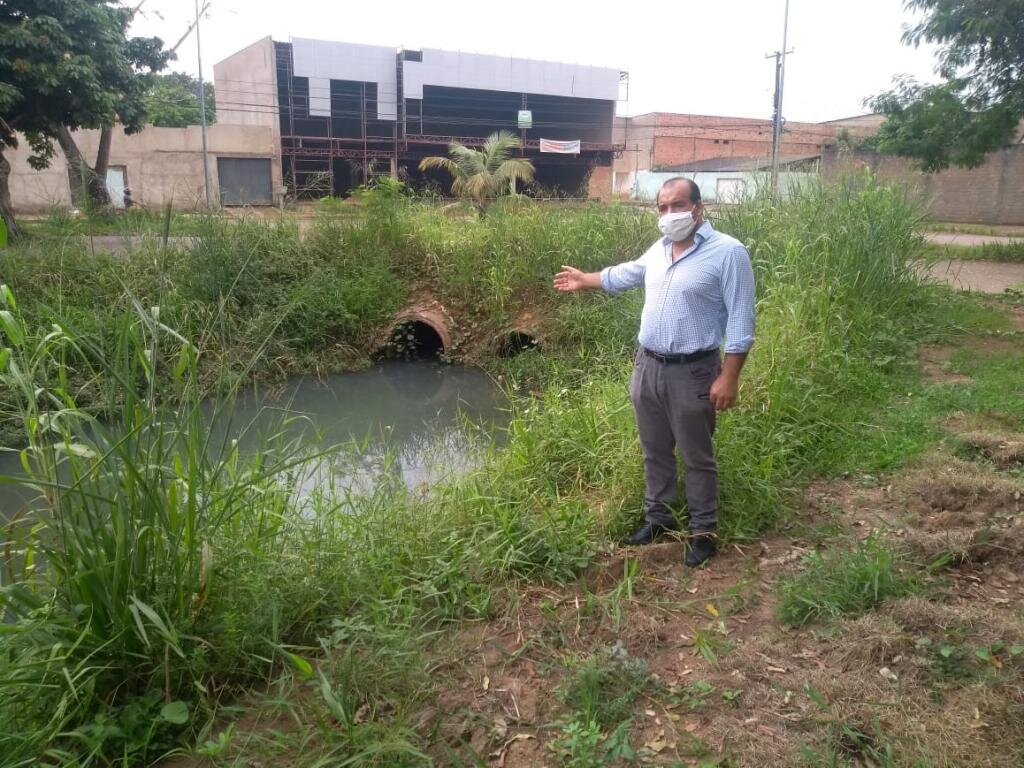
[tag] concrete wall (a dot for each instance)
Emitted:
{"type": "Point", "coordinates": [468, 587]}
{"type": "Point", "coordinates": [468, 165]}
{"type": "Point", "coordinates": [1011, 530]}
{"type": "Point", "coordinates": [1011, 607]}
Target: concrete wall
{"type": "Point", "coordinates": [992, 193]}
{"type": "Point", "coordinates": [245, 84]}
{"type": "Point", "coordinates": [162, 165]}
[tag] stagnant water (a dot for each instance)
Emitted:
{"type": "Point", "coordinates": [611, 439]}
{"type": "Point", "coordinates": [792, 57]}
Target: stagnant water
{"type": "Point", "coordinates": [411, 421]}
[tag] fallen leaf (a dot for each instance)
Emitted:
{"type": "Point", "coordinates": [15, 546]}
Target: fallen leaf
{"type": "Point", "coordinates": [656, 745]}
{"type": "Point", "coordinates": [487, 682]}
{"type": "Point", "coordinates": [500, 727]}
{"type": "Point", "coordinates": [501, 753]}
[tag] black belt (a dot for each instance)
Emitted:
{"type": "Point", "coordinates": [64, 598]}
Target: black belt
{"type": "Point", "coordinates": [672, 359]}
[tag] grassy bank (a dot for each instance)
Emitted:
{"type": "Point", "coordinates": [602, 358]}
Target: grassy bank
{"type": "Point", "coordinates": [1008, 252]}
{"type": "Point", "coordinates": [178, 574]}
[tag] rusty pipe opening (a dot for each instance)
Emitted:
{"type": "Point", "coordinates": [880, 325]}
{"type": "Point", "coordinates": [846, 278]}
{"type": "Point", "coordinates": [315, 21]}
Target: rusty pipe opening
{"type": "Point", "coordinates": [413, 340]}
{"type": "Point", "coordinates": [418, 334]}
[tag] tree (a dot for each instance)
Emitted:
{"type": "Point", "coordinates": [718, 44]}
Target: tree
{"type": "Point", "coordinates": [172, 101]}
{"type": "Point", "coordinates": [979, 106]}
{"type": "Point", "coordinates": [483, 174]}
{"type": "Point", "coordinates": [68, 64]}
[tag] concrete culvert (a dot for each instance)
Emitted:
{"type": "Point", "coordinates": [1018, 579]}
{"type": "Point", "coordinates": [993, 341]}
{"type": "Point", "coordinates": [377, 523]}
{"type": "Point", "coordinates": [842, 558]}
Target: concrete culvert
{"type": "Point", "coordinates": [512, 343]}
{"type": "Point", "coordinates": [414, 340]}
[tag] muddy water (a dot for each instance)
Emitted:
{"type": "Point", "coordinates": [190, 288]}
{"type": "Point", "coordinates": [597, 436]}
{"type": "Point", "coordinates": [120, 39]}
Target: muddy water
{"type": "Point", "coordinates": [413, 423]}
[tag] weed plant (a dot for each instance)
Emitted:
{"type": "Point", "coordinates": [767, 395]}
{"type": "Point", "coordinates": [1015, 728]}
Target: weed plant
{"type": "Point", "coordinates": [843, 583]}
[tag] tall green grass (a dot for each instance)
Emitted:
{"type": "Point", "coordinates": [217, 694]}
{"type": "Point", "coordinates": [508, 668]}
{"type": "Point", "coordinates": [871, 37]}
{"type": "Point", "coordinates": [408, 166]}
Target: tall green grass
{"type": "Point", "coordinates": [1011, 252]}
{"type": "Point", "coordinates": [165, 574]}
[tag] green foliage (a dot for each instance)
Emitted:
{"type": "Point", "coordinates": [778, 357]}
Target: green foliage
{"type": "Point", "coordinates": [483, 174]}
{"type": "Point", "coordinates": [843, 583]}
{"type": "Point", "coordinates": [69, 65]}
{"type": "Point", "coordinates": [76, 68]}
{"type": "Point", "coordinates": [600, 693]}
{"type": "Point", "coordinates": [172, 101]}
{"type": "Point", "coordinates": [179, 570]}
{"type": "Point", "coordinates": [1012, 252]}
{"type": "Point", "coordinates": [938, 127]}
{"type": "Point", "coordinates": [977, 109]}
{"type": "Point", "coordinates": [603, 689]}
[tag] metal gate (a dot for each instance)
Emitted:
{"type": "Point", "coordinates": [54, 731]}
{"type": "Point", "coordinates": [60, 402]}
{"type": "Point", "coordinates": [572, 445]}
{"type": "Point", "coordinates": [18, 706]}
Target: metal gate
{"type": "Point", "coordinates": [244, 180]}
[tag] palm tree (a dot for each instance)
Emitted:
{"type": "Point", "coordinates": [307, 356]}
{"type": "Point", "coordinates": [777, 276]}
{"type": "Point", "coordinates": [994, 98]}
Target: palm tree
{"type": "Point", "coordinates": [483, 174]}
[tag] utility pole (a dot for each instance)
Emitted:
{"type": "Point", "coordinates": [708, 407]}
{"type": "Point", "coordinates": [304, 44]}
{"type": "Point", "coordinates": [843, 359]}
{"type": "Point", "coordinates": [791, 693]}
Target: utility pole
{"type": "Point", "coordinates": [777, 119]}
{"type": "Point", "coordinates": [202, 111]}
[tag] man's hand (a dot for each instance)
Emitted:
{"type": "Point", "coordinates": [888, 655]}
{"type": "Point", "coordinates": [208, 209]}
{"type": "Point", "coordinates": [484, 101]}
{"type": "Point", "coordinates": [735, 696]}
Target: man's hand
{"type": "Point", "coordinates": [571, 279]}
{"type": "Point", "coordinates": [724, 392]}
{"type": "Point", "coordinates": [725, 389]}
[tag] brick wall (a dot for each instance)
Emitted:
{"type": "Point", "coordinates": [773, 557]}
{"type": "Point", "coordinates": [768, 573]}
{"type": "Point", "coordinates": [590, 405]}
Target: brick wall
{"type": "Point", "coordinates": [992, 193]}
{"type": "Point", "coordinates": [687, 138]}
{"type": "Point", "coordinates": [600, 185]}
{"type": "Point", "coordinates": [661, 139]}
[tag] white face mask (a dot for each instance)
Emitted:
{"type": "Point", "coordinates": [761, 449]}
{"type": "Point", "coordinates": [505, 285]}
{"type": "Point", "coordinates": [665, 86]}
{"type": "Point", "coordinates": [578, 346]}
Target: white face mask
{"type": "Point", "coordinates": [677, 226]}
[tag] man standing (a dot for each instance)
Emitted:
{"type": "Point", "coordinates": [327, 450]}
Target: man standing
{"type": "Point", "coordinates": [698, 291]}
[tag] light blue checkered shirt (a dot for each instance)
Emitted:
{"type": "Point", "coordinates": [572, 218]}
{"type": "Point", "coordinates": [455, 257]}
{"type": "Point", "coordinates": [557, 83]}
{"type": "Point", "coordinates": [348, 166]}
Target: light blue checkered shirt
{"type": "Point", "coordinates": [705, 297]}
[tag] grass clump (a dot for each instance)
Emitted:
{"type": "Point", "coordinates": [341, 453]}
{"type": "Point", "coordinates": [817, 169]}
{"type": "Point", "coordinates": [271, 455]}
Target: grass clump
{"type": "Point", "coordinates": [1010, 252]}
{"type": "Point", "coordinates": [843, 583]}
{"type": "Point", "coordinates": [600, 693]}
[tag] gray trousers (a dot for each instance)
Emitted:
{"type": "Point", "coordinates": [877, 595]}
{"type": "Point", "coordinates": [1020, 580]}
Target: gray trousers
{"type": "Point", "coordinates": [673, 410]}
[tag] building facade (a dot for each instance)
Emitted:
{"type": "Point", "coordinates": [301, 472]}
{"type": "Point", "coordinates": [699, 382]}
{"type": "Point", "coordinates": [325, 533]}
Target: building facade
{"type": "Point", "coordinates": [344, 113]}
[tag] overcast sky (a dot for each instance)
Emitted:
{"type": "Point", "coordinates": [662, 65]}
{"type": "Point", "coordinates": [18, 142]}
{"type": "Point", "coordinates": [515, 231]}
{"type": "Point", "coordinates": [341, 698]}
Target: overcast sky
{"type": "Point", "coordinates": [696, 57]}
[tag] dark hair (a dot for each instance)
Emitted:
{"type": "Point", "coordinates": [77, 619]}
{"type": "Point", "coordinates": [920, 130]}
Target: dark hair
{"type": "Point", "coordinates": [694, 189]}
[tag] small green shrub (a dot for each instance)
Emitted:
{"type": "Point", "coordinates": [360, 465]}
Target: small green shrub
{"type": "Point", "coordinates": [843, 583]}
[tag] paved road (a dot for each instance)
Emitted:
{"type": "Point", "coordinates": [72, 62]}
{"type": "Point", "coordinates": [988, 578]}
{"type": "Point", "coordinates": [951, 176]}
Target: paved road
{"type": "Point", "coordinates": [979, 276]}
{"type": "Point", "coordinates": [951, 238]}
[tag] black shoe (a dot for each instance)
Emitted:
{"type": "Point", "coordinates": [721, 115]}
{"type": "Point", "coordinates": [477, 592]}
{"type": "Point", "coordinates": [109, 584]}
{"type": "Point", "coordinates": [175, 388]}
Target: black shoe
{"type": "Point", "coordinates": [650, 532]}
{"type": "Point", "coordinates": [699, 550]}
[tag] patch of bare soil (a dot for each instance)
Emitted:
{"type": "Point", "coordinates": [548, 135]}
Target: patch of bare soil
{"type": "Point", "coordinates": [934, 361]}
{"type": "Point", "coordinates": [954, 494]}
{"type": "Point", "coordinates": [993, 438]}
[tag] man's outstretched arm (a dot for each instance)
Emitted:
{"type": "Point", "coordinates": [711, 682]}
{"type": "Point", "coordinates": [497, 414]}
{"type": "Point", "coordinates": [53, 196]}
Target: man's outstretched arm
{"type": "Point", "coordinates": [571, 279]}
